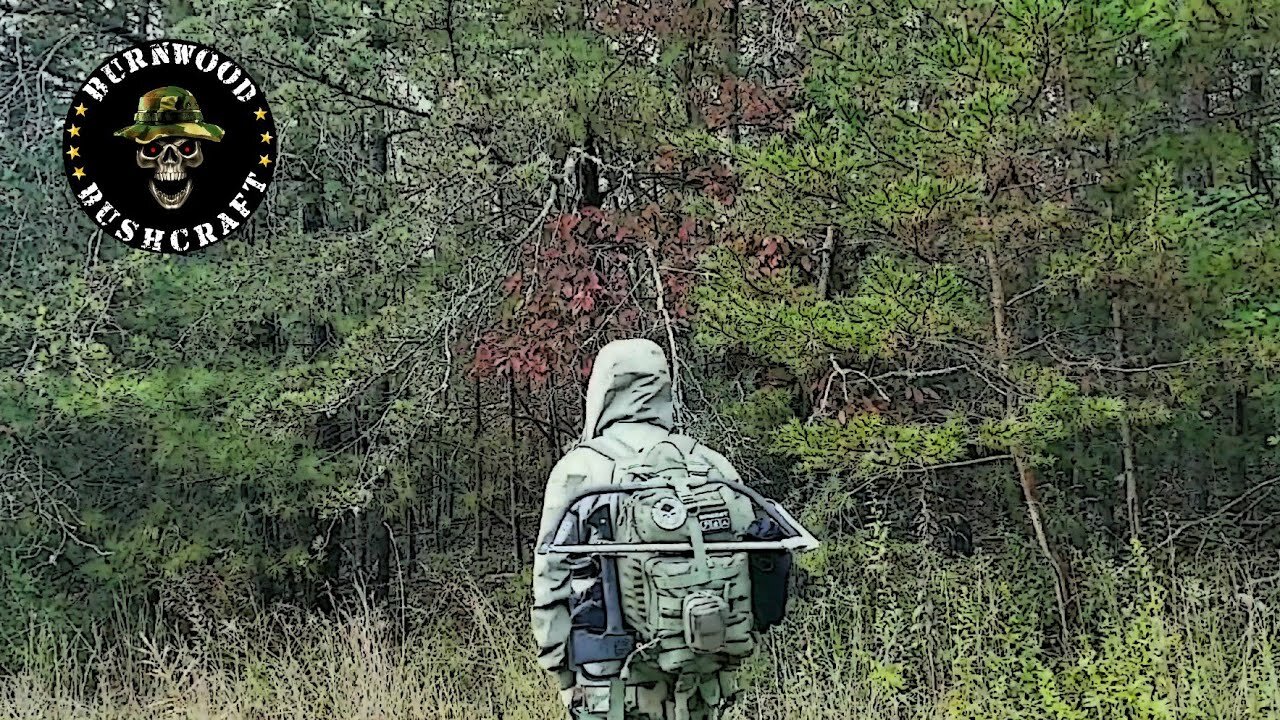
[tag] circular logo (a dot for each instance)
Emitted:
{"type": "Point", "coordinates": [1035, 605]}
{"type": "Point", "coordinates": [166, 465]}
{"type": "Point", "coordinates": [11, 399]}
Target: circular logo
{"type": "Point", "coordinates": [169, 146]}
{"type": "Point", "coordinates": [669, 513]}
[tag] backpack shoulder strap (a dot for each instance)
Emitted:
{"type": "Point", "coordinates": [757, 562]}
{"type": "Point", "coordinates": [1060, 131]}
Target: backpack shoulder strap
{"type": "Point", "coordinates": [624, 457]}
{"type": "Point", "coordinates": [695, 460]}
{"type": "Point", "coordinates": [621, 455]}
{"type": "Point", "coordinates": [611, 448]}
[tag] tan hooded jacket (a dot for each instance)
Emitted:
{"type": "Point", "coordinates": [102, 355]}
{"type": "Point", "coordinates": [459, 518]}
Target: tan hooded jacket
{"type": "Point", "coordinates": [628, 399]}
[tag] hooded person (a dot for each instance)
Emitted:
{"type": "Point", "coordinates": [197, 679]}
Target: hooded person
{"type": "Point", "coordinates": [629, 402]}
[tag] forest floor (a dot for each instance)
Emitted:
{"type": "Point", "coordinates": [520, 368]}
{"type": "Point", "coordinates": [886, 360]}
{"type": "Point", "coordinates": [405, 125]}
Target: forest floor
{"type": "Point", "coordinates": [880, 633]}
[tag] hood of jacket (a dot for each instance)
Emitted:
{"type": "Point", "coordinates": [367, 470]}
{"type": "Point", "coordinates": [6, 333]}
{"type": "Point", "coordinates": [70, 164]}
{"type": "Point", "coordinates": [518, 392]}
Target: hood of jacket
{"type": "Point", "coordinates": [630, 383]}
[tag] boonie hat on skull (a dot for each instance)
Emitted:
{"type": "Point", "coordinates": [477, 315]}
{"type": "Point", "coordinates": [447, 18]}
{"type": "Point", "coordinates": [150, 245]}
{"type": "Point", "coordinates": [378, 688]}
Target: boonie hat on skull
{"type": "Point", "coordinates": [169, 112]}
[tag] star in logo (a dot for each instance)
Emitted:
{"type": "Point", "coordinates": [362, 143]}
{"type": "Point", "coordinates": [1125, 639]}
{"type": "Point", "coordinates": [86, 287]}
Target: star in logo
{"type": "Point", "coordinates": [259, 114]}
{"type": "Point", "coordinates": [79, 173]}
{"type": "Point", "coordinates": [74, 130]}
{"type": "Point", "coordinates": [266, 137]}
{"type": "Point", "coordinates": [80, 109]}
{"type": "Point", "coordinates": [263, 160]}
{"type": "Point", "coordinates": [74, 152]}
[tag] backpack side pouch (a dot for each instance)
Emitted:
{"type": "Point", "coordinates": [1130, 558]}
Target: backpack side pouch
{"type": "Point", "coordinates": [770, 572]}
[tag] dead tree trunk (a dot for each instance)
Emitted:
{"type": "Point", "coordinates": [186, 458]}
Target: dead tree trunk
{"type": "Point", "coordinates": [1027, 478]}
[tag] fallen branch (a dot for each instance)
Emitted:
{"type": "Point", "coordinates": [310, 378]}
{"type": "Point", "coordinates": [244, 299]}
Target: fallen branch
{"type": "Point", "coordinates": [1220, 512]}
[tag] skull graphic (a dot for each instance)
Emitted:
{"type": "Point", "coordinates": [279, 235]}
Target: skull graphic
{"type": "Point", "coordinates": [170, 158]}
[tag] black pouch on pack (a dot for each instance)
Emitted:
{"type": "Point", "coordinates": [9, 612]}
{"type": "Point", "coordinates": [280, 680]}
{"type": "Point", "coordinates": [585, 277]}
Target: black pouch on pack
{"type": "Point", "coordinates": [770, 570]}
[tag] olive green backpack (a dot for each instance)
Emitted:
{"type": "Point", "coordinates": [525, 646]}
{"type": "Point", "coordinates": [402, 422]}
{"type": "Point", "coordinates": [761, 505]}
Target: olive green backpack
{"type": "Point", "coordinates": [692, 613]}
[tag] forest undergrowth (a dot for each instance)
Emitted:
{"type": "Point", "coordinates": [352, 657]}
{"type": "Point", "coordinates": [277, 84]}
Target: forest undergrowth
{"type": "Point", "coordinates": [879, 630]}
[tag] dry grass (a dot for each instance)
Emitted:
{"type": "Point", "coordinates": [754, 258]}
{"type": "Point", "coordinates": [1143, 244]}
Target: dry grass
{"type": "Point", "coordinates": [289, 665]}
{"type": "Point", "coordinates": [899, 637]}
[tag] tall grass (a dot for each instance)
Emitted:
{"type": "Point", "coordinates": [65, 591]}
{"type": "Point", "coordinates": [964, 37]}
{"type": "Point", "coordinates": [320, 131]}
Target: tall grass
{"type": "Point", "coordinates": [883, 631]}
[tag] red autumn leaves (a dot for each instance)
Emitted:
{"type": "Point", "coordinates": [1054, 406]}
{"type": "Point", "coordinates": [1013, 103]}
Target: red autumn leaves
{"type": "Point", "coordinates": [585, 281]}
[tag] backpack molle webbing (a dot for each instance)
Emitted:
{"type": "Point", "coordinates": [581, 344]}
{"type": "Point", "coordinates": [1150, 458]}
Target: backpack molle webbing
{"type": "Point", "coordinates": [692, 614]}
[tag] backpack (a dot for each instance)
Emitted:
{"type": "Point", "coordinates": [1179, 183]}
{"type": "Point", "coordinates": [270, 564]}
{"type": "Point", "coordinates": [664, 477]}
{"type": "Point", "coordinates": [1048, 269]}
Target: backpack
{"type": "Point", "coordinates": [692, 614]}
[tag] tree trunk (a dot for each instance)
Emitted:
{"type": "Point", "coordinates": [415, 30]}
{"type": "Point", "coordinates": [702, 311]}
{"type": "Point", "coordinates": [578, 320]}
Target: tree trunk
{"type": "Point", "coordinates": [825, 259]}
{"type": "Point", "coordinates": [729, 60]}
{"type": "Point", "coordinates": [514, 516]}
{"type": "Point", "coordinates": [478, 486]}
{"type": "Point", "coordinates": [1239, 426]}
{"type": "Point", "coordinates": [1031, 492]}
{"type": "Point", "coordinates": [1195, 99]}
{"type": "Point", "coordinates": [1132, 507]}
{"type": "Point", "coordinates": [438, 490]}
{"type": "Point", "coordinates": [380, 547]}
{"type": "Point", "coordinates": [330, 563]}
{"type": "Point", "coordinates": [552, 412]}
{"type": "Point", "coordinates": [1026, 474]}
{"type": "Point", "coordinates": [588, 170]}
{"type": "Point", "coordinates": [411, 533]}
{"type": "Point", "coordinates": [659, 290]}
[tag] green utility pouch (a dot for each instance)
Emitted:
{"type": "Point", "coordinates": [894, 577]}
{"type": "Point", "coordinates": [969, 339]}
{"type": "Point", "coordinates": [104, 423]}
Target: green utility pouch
{"type": "Point", "coordinates": [690, 614]}
{"type": "Point", "coordinates": [696, 617]}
